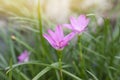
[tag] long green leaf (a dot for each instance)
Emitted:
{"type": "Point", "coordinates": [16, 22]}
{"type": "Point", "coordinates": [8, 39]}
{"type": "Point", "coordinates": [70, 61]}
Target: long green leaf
{"type": "Point", "coordinates": [44, 71]}
{"type": "Point", "coordinates": [92, 75]}
{"type": "Point", "coordinates": [70, 74]}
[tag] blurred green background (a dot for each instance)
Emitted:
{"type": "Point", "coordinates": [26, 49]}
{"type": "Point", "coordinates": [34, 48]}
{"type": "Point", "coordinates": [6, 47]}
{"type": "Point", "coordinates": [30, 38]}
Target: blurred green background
{"type": "Point", "coordinates": [100, 44]}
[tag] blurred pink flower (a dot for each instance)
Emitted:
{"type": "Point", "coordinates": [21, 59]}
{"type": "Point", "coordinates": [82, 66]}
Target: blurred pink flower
{"type": "Point", "coordinates": [23, 57]}
{"type": "Point", "coordinates": [57, 39]}
{"type": "Point", "coordinates": [78, 25]}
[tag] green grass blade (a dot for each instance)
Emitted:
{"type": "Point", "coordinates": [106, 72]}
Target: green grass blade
{"type": "Point", "coordinates": [41, 73]}
{"type": "Point", "coordinates": [71, 75]}
{"type": "Point", "coordinates": [24, 44]}
{"type": "Point", "coordinates": [95, 78]}
{"type": "Point", "coordinates": [23, 75]}
{"type": "Point", "coordinates": [44, 71]}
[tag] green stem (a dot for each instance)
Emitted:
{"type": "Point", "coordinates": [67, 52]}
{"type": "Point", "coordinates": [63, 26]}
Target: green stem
{"type": "Point", "coordinates": [39, 19]}
{"type": "Point", "coordinates": [79, 41]}
{"type": "Point", "coordinates": [43, 48]}
{"type": "Point", "coordinates": [60, 63]}
{"type": "Point", "coordinates": [40, 24]}
{"type": "Point", "coordinates": [10, 74]}
{"type": "Point", "coordinates": [81, 56]}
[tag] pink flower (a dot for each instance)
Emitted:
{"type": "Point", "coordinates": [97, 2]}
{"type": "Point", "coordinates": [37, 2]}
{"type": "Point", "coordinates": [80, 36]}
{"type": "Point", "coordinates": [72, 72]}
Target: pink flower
{"type": "Point", "coordinates": [23, 57]}
{"type": "Point", "coordinates": [78, 25]}
{"type": "Point", "coordinates": [57, 39]}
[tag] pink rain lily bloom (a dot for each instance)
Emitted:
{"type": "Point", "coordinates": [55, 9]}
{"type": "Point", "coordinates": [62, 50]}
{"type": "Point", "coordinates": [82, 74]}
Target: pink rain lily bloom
{"type": "Point", "coordinates": [57, 39]}
{"type": "Point", "coordinates": [78, 25]}
{"type": "Point", "coordinates": [23, 57]}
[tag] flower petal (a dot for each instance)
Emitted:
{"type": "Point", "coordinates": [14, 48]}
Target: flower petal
{"type": "Point", "coordinates": [73, 21]}
{"type": "Point", "coordinates": [59, 33]}
{"type": "Point", "coordinates": [87, 21]}
{"type": "Point", "coordinates": [52, 34]}
{"type": "Point", "coordinates": [83, 21]}
{"type": "Point", "coordinates": [81, 18]}
{"type": "Point", "coordinates": [84, 25]}
{"type": "Point", "coordinates": [63, 44]}
{"type": "Point", "coordinates": [69, 37]}
{"type": "Point", "coordinates": [67, 26]}
{"type": "Point", "coordinates": [49, 39]}
{"type": "Point", "coordinates": [23, 56]}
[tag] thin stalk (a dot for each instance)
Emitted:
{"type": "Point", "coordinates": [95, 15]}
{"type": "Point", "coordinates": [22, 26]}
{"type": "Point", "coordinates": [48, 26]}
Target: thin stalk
{"type": "Point", "coordinates": [43, 48]}
{"type": "Point", "coordinates": [40, 25]}
{"type": "Point", "coordinates": [81, 55]}
{"type": "Point", "coordinates": [80, 45]}
{"type": "Point", "coordinates": [11, 45]}
{"type": "Point", "coordinates": [10, 74]}
{"type": "Point", "coordinates": [60, 63]}
{"type": "Point", "coordinates": [40, 20]}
